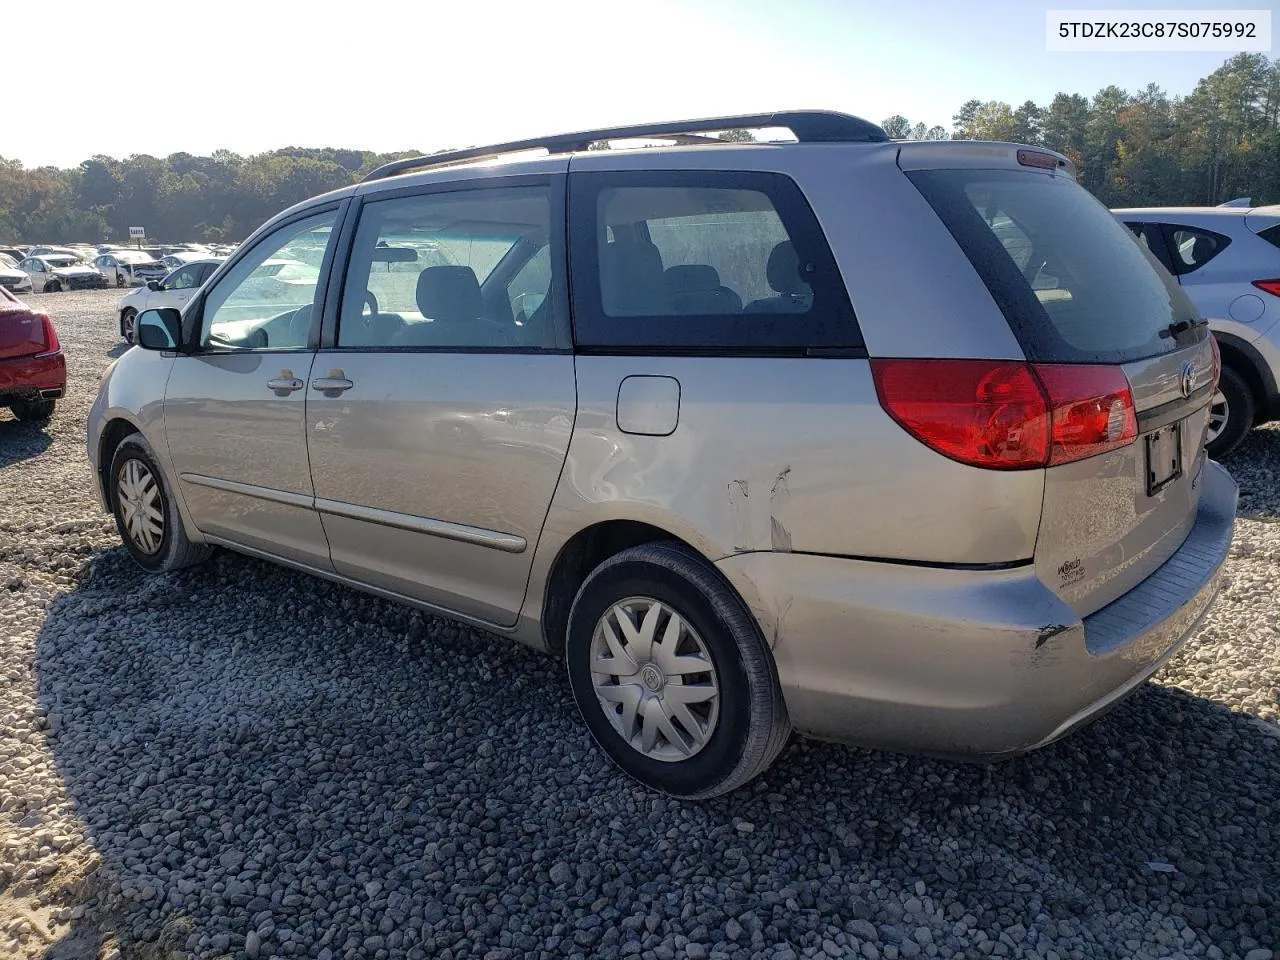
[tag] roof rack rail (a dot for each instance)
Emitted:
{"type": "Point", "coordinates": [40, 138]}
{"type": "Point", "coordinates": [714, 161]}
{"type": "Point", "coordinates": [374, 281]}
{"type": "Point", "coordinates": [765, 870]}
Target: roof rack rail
{"type": "Point", "coordinates": [809, 126]}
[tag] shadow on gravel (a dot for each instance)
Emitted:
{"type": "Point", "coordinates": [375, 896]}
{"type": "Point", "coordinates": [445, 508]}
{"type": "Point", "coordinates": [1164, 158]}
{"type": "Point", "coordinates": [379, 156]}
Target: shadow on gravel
{"type": "Point", "coordinates": [1256, 466]}
{"type": "Point", "coordinates": [119, 350]}
{"type": "Point", "coordinates": [21, 441]}
{"type": "Point", "coordinates": [251, 749]}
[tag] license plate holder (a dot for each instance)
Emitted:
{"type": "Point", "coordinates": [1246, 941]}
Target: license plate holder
{"type": "Point", "coordinates": [1164, 457]}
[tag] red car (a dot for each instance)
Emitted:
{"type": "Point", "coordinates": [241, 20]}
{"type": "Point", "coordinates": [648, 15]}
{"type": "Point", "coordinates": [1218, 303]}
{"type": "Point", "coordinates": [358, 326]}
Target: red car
{"type": "Point", "coordinates": [33, 371]}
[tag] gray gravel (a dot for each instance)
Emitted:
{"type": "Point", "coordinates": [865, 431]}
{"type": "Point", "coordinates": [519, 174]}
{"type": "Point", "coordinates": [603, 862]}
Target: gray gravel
{"type": "Point", "coordinates": [239, 760]}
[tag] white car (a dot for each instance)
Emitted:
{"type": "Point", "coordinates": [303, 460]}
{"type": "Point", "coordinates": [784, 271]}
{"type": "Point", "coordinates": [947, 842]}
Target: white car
{"type": "Point", "coordinates": [55, 272]}
{"type": "Point", "coordinates": [11, 278]}
{"type": "Point", "coordinates": [130, 268]}
{"type": "Point", "coordinates": [173, 291]}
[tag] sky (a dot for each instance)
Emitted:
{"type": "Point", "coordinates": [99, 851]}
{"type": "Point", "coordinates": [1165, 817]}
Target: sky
{"type": "Point", "coordinates": [254, 76]}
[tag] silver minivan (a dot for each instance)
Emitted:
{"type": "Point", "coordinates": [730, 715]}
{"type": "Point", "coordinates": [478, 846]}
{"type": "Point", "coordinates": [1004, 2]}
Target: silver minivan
{"type": "Point", "coordinates": [894, 443]}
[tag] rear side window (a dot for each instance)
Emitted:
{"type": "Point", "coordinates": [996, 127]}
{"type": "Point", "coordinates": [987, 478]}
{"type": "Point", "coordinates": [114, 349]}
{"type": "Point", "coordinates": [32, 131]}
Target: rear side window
{"type": "Point", "coordinates": [1193, 247]}
{"type": "Point", "coordinates": [1151, 236]}
{"type": "Point", "coordinates": [724, 261]}
{"type": "Point", "coordinates": [1071, 282]}
{"type": "Point", "coordinates": [1271, 235]}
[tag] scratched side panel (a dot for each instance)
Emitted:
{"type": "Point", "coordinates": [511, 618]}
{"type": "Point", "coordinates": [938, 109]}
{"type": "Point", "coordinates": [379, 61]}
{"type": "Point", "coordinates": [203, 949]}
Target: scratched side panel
{"type": "Point", "coordinates": [785, 455]}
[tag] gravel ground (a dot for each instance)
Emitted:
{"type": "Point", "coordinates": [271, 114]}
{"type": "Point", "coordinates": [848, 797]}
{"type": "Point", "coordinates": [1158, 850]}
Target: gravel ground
{"type": "Point", "coordinates": [242, 761]}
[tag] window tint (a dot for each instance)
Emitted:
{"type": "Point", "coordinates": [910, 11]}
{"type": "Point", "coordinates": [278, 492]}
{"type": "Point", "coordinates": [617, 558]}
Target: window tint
{"type": "Point", "coordinates": [704, 261]}
{"type": "Point", "coordinates": [266, 300]}
{"type": "Point", "coordinates": [470, 269]}
{"type": "Point", "coordinates": [1194, 247]}
{"type": "Point", "coordinates": [1151, 236]}
{"type": "Point", "coordinates": [1073, 285]}
{"type": "Point", "coordinates": [206, 270]}
{"type": "Point", "coordinates": [1271, 235]}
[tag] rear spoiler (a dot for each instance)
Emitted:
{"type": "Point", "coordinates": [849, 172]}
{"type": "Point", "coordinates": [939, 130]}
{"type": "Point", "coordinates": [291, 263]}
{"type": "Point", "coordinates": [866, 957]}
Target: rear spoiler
{"type": "Point", "coordinates": [941, 154]}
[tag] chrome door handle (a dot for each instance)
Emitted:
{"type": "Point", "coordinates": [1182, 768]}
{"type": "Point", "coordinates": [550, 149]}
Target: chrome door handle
{"type": "Point", "coordinates": [285, 383]}
{"type": "Point", "coordinates": [333, 384]}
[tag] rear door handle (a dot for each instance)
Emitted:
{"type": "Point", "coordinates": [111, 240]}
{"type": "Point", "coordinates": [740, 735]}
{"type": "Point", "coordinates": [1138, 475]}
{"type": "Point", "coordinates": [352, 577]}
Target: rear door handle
{"type": "Point", "coordinates": [333, 384]}
{"type": "Point", "coordinates": [285, 383]}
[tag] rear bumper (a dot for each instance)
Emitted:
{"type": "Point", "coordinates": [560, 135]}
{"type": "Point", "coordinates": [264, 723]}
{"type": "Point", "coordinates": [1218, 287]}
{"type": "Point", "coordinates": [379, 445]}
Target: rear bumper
{"type": "Point", "coordinates": [33, 378]}
{"type": "Point", "coordinates": [970, 663]}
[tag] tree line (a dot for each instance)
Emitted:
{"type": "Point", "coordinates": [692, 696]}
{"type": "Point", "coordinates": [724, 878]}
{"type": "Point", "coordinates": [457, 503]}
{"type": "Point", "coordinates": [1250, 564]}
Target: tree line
{"type": "Point", "coordinates": [1219, 142]}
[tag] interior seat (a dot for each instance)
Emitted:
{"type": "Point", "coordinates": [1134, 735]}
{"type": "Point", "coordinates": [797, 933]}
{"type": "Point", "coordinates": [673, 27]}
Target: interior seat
{"type": "Point", "coordinates": [448, 296]}
{"type": "Point", "coordinates": [696, 289]}
{"type": "Point", "coordinates": [783, 274]}
{"type": "Point", "coordinates": [631, 279]}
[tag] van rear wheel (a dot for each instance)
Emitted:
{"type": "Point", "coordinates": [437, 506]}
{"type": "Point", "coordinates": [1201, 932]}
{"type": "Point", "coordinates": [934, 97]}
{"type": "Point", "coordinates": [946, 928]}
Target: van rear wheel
{"type": "Point", "coordinates": [672, 675]}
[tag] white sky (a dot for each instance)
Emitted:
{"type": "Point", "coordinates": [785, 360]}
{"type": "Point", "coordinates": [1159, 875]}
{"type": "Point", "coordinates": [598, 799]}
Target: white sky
{"type": "Point", "coordinates": [253, 76]}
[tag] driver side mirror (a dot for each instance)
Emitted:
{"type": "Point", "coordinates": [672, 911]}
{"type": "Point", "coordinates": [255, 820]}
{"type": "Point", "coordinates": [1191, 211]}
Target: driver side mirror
{"type": "Point", "coordinates": [155, 285]}
{"type": "Point", "coordinates": [159, 329]}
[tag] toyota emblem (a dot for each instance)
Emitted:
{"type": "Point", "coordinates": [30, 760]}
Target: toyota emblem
{"type": "Point", "coordinates": [1188, 378]}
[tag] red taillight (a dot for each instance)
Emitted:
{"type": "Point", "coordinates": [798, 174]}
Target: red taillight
{"type": "Point", "coordinates": [1008, 415]}
{"type": "Point", "coordinates": [51, 342]}
{"type": "Point", "coordinates": [1268, 286]}
{"type": "Point", "coordinates": [986, 413]}
{"type": "Point", "coordinates": [1091, 408]}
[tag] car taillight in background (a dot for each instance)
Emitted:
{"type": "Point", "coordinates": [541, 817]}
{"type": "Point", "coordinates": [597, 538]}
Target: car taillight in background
{"type": "Point", "coordinates": [1268, 286]}
{"type": "Point", "coordinates": [1008, 415]}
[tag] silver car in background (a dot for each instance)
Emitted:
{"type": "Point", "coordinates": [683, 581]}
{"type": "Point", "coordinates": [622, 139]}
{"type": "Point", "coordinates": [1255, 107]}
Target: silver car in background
{"type": "Point", "coordinates": [894, 443]}
{"type": "Point", "coordinates": [1227, 259]}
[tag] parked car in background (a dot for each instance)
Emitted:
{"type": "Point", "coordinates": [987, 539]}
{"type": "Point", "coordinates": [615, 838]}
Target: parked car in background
{"type": "Point", "coordinates": [963, 520]}
{"type": "Point", "coordinates": [54, 272]}
{"type": "Point", "coordinates": [128, 268]}
{"type": "Point", "coordinates": [47, 251]}
{"type": "Point", "coordinates": [11, 278]}
{"type": "Point", "coordinates": [173, 291]}
{"type": "Point", "coordinates": [16, 254]}
{"type": "Point", "coordinates": [1227, 260]}
{"type": "Point", "coordinates": [178, 257]}
{"type": "Point", "coordinates": [33, 370]}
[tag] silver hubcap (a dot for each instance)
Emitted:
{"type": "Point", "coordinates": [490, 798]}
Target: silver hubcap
{"type": "Point", "coordinates": [654, 679]}
{"type": "Point", "coordinates": [129, 321]}
{"type": "Point", "coordinates": [1218, 414]}
{"type": "Point", "coordinates": [140, 505]}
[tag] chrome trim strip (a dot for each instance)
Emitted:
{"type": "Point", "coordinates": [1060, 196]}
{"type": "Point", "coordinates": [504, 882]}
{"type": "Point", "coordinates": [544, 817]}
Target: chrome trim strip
{"type": "Point", "coordinates": [251, 490]}
{"type": "Point", "coordinates": [494, 539]}
{"type": "Point", "coordinates": [506, 542]}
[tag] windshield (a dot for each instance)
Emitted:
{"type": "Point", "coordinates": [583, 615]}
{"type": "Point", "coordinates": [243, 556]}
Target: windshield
{"type": "Point", "coordinates": [61, 261]}
{"type": "Point", "coordinates": [7, 261]}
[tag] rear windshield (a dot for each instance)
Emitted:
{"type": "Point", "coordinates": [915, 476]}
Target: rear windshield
{"type": "Point", "coordinates": [1073, 283]}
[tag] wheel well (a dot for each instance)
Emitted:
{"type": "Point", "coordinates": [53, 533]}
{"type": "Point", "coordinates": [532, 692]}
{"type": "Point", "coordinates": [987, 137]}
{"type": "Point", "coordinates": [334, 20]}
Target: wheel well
{"type": "Point", "coordinates": [115, 431]}
{"type": "Point", "coordinates": [1238, 361]}
{"type": "Point", "coordinates": [585, 551]}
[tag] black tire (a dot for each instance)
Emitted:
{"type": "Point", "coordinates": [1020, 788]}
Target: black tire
{"type": "Point", "coordinates": [752, 725]}
{"type": "Point", "coordinates": [1241, 410]}
{"type": "Point", "coordinates": [128, 317]}
{"type": "Point", "coordinates": [33, 411]}
{"type": "Point", "coordinates": [53, 286]}
{"type": "Point", "coordinates": [174, 550]}
{"type": "Point", "coordinates": [119, 279]}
